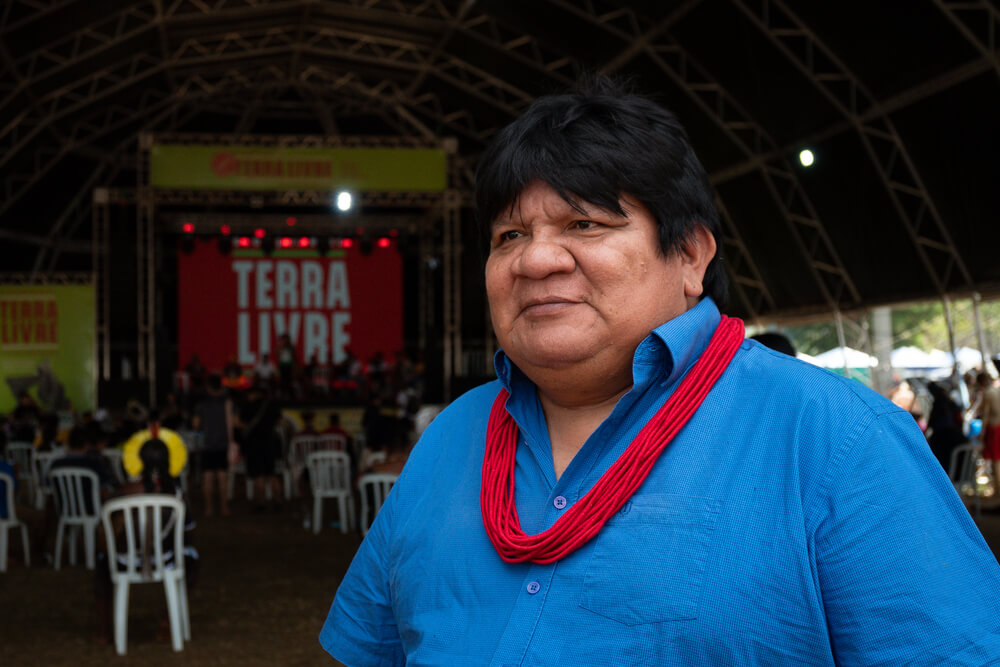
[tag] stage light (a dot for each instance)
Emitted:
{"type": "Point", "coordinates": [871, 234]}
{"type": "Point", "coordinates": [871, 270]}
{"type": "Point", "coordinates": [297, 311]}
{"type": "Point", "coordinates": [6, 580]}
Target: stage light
{"type": "Point", "coordinates": [244, 242]}
{"type": "Point", "coordinates": [806, 157]}
{"type": "Point", "coordinates": [304, 242]}
{"type": "Point", "coordinates": [226, 230]}
{"type": "Point", "coordinates": [286, 242]}
{"type": "Point", "coordinates": [346, 243]}
{"type": "Point", "coordinates": [344, 200]}
{"type": "Point", "coordinates": [188, 228]}
{"type": "Point", "coordinates": [260, 232]}
{"type": "Point", "coordinates": [383, 242]}
{"type": "Point", "coordinates": [290, 221]}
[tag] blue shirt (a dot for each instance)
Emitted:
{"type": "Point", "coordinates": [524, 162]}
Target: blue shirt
{"type": "Point", "coordinates": [798, 518]}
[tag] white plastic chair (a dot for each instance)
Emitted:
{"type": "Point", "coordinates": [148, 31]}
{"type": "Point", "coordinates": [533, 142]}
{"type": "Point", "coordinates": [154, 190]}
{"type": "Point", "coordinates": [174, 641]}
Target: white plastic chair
{"type": "Point", "coordinates": [114, 457]}
{"type": "Point", "coordinates": [378, 485]}
{"type": "Point", "coordinates": [11, 521]}
{"type": "Point", "coordinates": [962, 467]}
{"type": "Point", "coordinates": [20, 455]}
{"type": "Point", "coordinates": [147, 519]}
{"type": "Point", "coordinates": [71, 499]}
{"type": "Point", "coordinates": [40, 464]}
{"type": "Point", "coordinates": [330, 474]}
{"type": "Point", "coordinates": [299, 450]}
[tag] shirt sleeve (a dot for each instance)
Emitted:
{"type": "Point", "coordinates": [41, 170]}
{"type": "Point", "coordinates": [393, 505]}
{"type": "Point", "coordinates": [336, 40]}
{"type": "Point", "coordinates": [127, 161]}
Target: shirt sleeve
{"type": "Point", "coordinates": [360, 629]}
{"type": "Point", "coordinates": [904, 574]}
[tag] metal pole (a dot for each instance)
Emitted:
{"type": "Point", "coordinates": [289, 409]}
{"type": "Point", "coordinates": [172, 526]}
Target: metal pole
{"type": "Point", "coordinates": [841, 340]}
{"type": "Point", "coordinates": [882, 344]}
{"type": "Point", "coordinates": [980, 335]}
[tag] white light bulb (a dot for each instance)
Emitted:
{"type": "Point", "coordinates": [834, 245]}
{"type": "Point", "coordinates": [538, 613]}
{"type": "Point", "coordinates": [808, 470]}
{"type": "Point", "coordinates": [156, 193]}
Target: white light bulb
{"type": "Point", "coordinates": [344, 201]}
{"type": "Point", "coordinates": [806, 157]}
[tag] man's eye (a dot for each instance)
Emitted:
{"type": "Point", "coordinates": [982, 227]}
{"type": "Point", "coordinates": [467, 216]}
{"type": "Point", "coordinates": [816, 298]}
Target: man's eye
{"type": "Point", "coordinates": [508, 235]}
{"type": "Point", "coordinates": [585, 224]}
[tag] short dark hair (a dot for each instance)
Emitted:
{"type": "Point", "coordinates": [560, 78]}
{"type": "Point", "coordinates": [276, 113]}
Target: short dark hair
{"type": "Point", "coordinates": [596, 144]}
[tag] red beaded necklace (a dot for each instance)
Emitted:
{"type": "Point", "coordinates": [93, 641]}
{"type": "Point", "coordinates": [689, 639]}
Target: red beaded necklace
{"type": "Point", "coordinates": [586, 517]}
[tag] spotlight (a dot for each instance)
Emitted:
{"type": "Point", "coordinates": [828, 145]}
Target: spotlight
{"type": "Point", "coordinates": [346, 243]}
{"type": "Point", "coordinates": [243, 242]}
{"type": "Point", "coordinates": [304, 242]}
{"type": "Point", "coordinates": [188, 228]}
{"type": "Point", "coordinates": [290, 221]}
{"type": "Point", "coordinates": [226, 230]}
{"type": "Point", "coordinates": [383, 242]}
{"type": "Point", "coordinates": [806, 157]}
{"type": "Point", "coordinates": [285, 242]}
{"type": "Point", "coordinates": [260, 232]}
{"type": "Point", "coordinates": [344, 200]}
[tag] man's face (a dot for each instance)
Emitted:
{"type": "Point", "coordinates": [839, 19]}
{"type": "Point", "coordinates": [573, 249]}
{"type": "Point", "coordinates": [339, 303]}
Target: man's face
{"type": "Point", "coordinates": [564, 287]}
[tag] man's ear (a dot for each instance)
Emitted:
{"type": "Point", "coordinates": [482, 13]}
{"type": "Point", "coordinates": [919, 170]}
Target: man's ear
{"type": "Point", "coordinates": [696, 253]}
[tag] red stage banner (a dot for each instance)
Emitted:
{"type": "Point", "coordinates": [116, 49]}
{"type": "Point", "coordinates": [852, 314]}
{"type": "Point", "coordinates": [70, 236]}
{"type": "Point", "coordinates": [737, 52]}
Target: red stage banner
{"type": "Point", "coordinates": [238, 305]}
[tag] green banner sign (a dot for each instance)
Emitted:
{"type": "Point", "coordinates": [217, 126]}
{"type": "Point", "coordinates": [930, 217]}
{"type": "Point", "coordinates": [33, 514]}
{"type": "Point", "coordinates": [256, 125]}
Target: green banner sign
{"type": "Point", "coordinates": [274, 168]}
{"type": "Point", "coordinates": [47, 345]}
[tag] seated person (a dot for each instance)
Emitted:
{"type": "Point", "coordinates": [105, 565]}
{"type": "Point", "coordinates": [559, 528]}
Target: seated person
{"type": "Point", "coordinates": [80, 455]}
{"type": "Point", "coordinates": [151, 468]}
{"type": "Point", "coordinates": [334, 428]}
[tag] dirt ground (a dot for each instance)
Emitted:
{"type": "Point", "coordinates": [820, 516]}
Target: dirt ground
{"type": "Point", "coordinates": [263, 593]}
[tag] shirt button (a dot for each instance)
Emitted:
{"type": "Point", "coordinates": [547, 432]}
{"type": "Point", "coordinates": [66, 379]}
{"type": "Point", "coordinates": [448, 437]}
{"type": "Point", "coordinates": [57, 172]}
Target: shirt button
{"type": "Point", "coordinates": [534, 587]}
{"type": "Point", "coordinates": [559, 502]}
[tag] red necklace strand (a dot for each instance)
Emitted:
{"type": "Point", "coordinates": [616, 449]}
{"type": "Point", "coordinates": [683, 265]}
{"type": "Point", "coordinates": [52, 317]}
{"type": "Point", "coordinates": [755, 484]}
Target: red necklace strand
{"type": "Point", "coordinates": [586, 517]}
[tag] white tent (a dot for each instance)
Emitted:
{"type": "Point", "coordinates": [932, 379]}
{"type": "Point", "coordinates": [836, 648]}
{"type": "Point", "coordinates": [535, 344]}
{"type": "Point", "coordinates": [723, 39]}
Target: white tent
{"type": "Point", "coordinates": [968, 357]}
{"type": "Point", "coordinates": [914, 357]}
{"type": "Point", "coordinates": [855, 358]}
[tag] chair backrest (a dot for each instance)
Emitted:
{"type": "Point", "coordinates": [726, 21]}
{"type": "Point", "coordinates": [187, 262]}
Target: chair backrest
{"type": "Point", "coordinates": [380, 485]}
{"type": "Point", "coordinates": [145, 520]}
{"type": "Point", "coordinates": [19, 454]}
{"type": "Point", "coordinates": [329, 472]}
{"type": "Point", "coordinates": [114, 457]}
{"type": "Point", "coordinates": [302, 446]}
{"type": "Point", "coordinates": [7, 484]}
{"type": "Point", "coordinates": [962, 466]}
{"type": "Point", "coordinates": [333, 441]}
{"type": "Point", "coordinates": [77, 493]}
{"type": "Point", "coordinates": [41, 462]}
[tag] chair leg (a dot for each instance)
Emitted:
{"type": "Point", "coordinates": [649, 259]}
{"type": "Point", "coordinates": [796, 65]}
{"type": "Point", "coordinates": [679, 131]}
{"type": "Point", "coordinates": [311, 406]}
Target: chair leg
{"type": "Point", "coordinates": [89, 533]}
{"type": "Point", "coordinates": [121, 616]}
{"type": "Point", "coordinates": [317, 513]}
{"type": "Point", "coordinates": [71, 531]}
{"type": "Point", "coordinates": [170, 588]}
{"type": "Point", "coordinates": [59, 543]}
{"type": "Point", "coordinates": [3, 548]}
{"type": "Point", "coordinates": [249, 483]}
{"type": "Point", "coordinates": [182, 596]}
{"type": "Point", "coordinates": [26, 545]}
{"type": "Point", "coordinates": [342, 510]}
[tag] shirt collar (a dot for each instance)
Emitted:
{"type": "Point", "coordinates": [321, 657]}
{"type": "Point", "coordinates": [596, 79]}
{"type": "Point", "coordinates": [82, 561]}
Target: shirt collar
{"type": "Point", "coordinates": [665, 354]}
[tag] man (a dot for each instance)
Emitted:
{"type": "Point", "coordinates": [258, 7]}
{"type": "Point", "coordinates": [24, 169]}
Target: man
{"type": "Point", "coordinates": [214, 417]}
{"type": "Point", "coordinates": [812, 528]}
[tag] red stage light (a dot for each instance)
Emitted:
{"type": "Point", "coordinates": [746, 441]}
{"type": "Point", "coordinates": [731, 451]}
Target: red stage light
{"type": "Point", "coordinates": [259, 232]}
{"type": "Point", "coordinates": [346, 243]}
{"type": "Point", "coordinates": [304, 242]}
{"type": "Point", "coordinates": [188, 228]}
{"type": "Point", "coordinates": [226, 230]}
{"type": "Point", "coordinates": [244, 242]}
{"type": "Point", "coordinates": [286, 242]}
{"type": "Point", "coordinates": [290, 221]}
{"type": "Point", "coordinates": [383, 242]}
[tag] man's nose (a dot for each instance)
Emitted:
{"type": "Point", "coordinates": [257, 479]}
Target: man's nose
{"type": "Point", "coordinates": [541, 256]}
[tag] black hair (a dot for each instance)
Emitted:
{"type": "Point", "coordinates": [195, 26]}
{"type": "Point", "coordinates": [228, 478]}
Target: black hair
{"type": "Point", "coordinates": [601, 143]}
{"type": "Point", "coordinates": [155, 457]}
{"type": "Point", "coordinates": [215, 382]}
{"type": "Point", "coordinates": [79, 438]}
{"type": "Point", "coordinates": [775, 341]}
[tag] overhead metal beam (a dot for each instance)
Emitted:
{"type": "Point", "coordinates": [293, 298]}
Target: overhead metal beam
{"type": "Point", "coordinates": [913, 204]}
{"type": "Point", "coordinates": [831, 277]}
{"type": "Point", "coordinates": [965, 13]}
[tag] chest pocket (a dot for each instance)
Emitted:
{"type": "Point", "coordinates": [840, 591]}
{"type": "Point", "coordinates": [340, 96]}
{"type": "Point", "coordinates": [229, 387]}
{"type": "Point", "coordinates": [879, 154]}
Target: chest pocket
{"type": "Point", "coordinates": [649, 560]}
